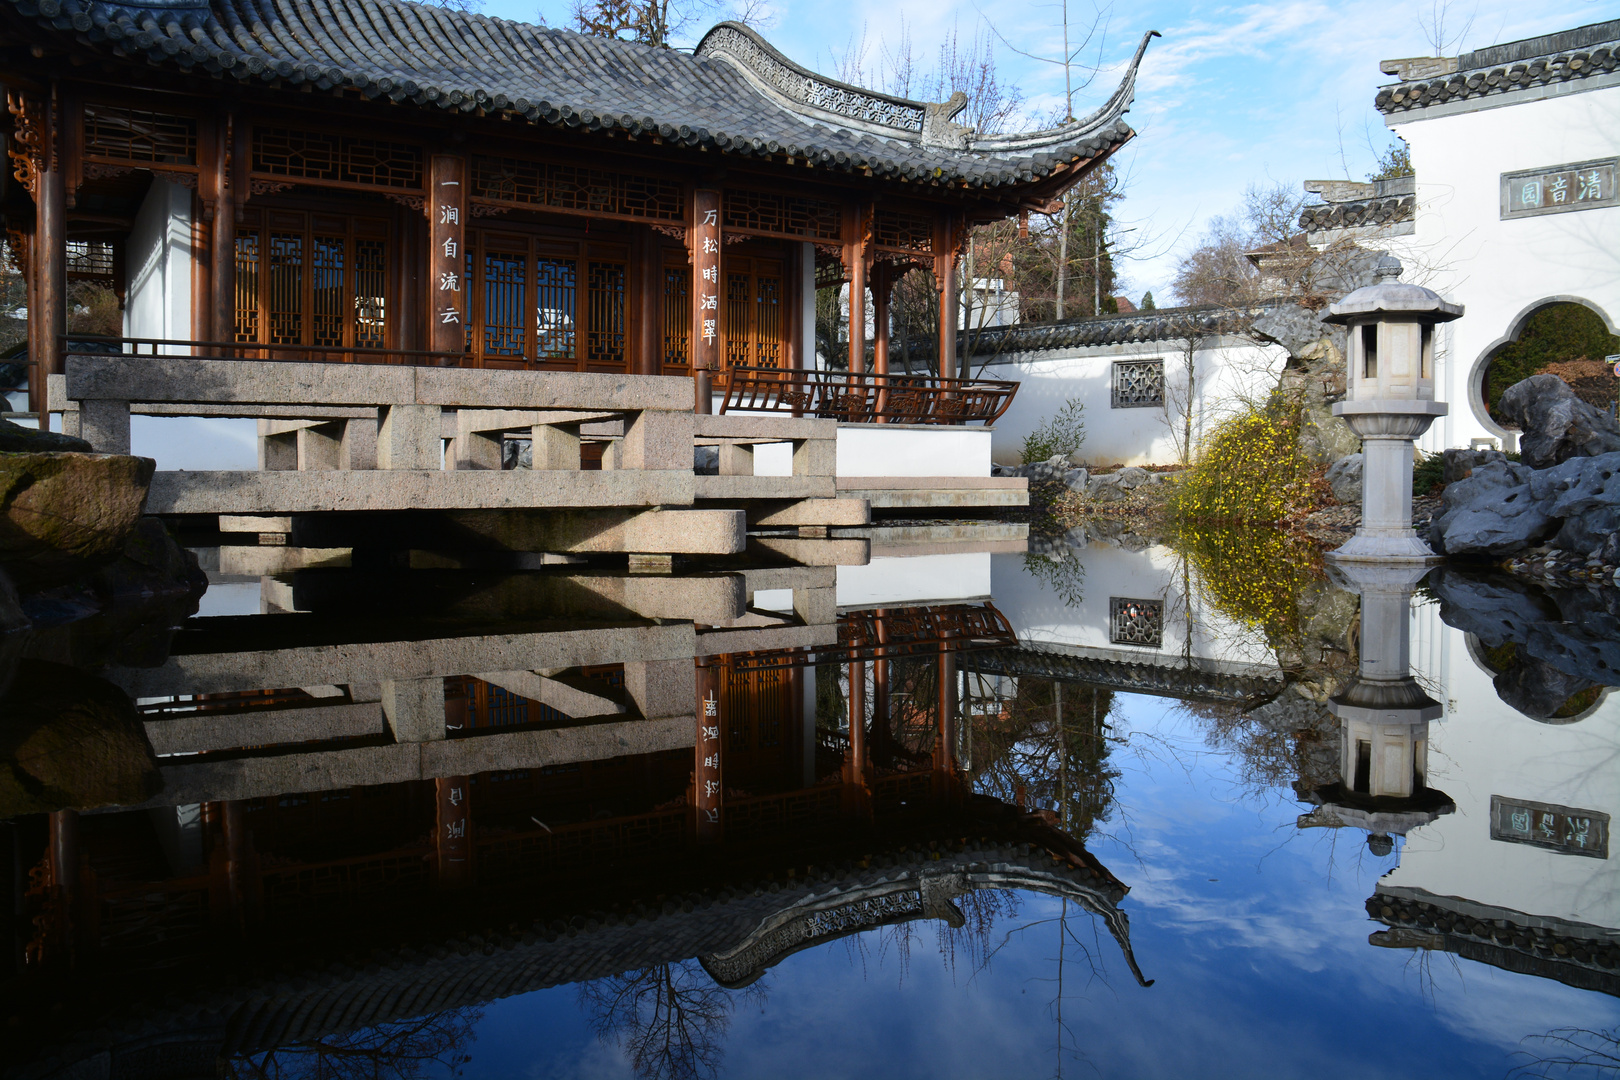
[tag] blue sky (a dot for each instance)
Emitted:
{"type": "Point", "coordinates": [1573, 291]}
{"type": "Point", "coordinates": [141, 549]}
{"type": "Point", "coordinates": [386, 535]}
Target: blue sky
{"type": "Point", "coordinates": [1253, 930]}
{"type": "Point", "coordinates": [1232, 94]}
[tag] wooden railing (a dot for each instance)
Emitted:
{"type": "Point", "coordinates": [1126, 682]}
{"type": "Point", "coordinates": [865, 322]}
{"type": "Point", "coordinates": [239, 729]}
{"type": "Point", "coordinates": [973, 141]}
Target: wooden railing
{"type": "Point", "coordinates": [867, 398]}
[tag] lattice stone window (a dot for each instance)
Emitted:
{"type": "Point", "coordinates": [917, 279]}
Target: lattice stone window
{"type": "Point", "coordinates": [1138, 384]}
{"type": "Point", "coordinates": [1135, 622]}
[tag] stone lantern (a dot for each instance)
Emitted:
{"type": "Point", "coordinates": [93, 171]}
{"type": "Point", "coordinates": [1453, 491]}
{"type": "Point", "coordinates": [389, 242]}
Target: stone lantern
{"type": "Point", "coordinates": [1383, 715]}
{"type": "Point", "coordinates": [1389, 402]}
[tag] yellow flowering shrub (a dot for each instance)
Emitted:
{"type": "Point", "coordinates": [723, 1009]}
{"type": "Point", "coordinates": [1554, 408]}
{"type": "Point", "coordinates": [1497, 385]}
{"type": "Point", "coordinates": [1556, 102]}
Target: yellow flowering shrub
{"type": "Point", "coordinates": [1249, 471]}
{"type": "Point", "coordinates": [1252, 576]}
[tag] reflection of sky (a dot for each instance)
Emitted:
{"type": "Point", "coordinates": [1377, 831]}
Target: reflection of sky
{"type": "Point", "coordinates": [1255, 933]}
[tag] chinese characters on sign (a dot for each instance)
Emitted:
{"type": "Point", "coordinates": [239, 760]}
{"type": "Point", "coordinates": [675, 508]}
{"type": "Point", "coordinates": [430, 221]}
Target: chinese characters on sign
{"type": "Point", "coordinates": [447, 290]}
{"type": "Point", "coordinates": [452, 827]}
{"type": "Point", "coordinates": [1580, 186]}
{"type": "Point", "coordinates": [1560, 828]}
{"type": "Point", "coordinates": [706, 779]}
{"type": "Point", "coordinates": [705, 245]}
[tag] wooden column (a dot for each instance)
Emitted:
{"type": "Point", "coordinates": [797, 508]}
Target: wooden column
{"type": "Point", "coordinates": [649, 338]}
{"type": "Point", "coordinates": [950, 303]}
{"type": "Point", "coordinates": [447, 258]}
{"type": "Point", "coordinates": [945, 730]}
{"type": "Point", "coordinates": [704, 240]}
{"type": "Point", "coordinates": [220, 209]}
{"type": "Point", "coordinates": [452, 835]}
{"type": "Point", "coordinates": [50, 243]}
{"type": "Point", "coordinates": [857, 797]}
{"type": "Point", "coordinates": [857, 232]}
{"type": "Point", "coordinates": [882, 292]}
{"type": "Point", "coordinates": [708, 790]}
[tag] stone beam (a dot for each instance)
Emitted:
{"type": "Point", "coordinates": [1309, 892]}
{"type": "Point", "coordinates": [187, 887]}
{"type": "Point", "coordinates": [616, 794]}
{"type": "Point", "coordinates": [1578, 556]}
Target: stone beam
{"type": "Point", "coordinates": [203, 733]}
{"type": "Point", "coordinates": [566, 699]}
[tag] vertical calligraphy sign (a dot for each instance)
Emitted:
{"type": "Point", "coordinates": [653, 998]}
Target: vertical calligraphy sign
{"type": "Point", "coordinates": [452, 839]}
{"type": "Point", "coordinates": [447, 257]}
{"type": "Point", "coordinates": [704, 239]}
{"type": "Point", "coordinates": [708, 793]}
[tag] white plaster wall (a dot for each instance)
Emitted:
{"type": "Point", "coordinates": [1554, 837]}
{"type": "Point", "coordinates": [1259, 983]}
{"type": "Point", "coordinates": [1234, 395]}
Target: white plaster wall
{"type": "Point", "coordinates": [1225, 373]}
{"type": "Point", "coordinates": [916, 579]}
{"type": "Point", "coordinates": [1485, 748]}
{"type": "Point", "coordinates": [1501, 270]}
{"type": "Point", "coordinates": [158, 262]}
{"type": "Point", "coordinates": [903, 450]}
{"type": "Point", "coordinates": [1191, 628]}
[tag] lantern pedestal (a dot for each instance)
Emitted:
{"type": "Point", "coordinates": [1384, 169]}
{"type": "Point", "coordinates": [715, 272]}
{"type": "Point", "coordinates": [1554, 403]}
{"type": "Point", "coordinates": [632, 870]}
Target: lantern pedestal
{"type": "Point", "coordinates": [1388, 430]}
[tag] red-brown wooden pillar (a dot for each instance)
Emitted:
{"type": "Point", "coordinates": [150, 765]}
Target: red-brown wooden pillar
{"type": "Point", "coordinates": [704, 240]}
{"type": "Point", "coordinates": [50, 242]}
{"type": "Point", "coordinates": [452, 835]}
{"type": "Point", "coordinates": [708, 790]}
{"type": "Point", "coordinates": [945, 730]}
{"type": "Point", "coordinates": [857, 226]}
{"type": "Point", "coordinates": [950, 303]}
{"type": "Point", "coordinates": [447, 257]}
{"type": "Point", "coordinates": [857, 797]}
{"type": "Point", "coordinates": [882, 291]}
{"type": "Point", "coordinates": [220, 208]}
{"type": "Point", "coordinates": [649, 255]}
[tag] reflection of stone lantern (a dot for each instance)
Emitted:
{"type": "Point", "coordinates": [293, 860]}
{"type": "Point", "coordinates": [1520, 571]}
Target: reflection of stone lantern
{"type": "Point", "coordinates": [1383, 716]}
{"type": "Point", "coordinates": [1389, 402]}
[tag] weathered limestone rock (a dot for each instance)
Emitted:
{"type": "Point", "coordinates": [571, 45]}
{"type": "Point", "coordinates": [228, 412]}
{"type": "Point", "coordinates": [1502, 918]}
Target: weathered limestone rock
{"type": "Point", "coordinates": [1460, 464]}
{"type": "Point", "coordinates": [72, 740]}
{"type": "Point", "coordinates": [1076, 479]}
{"type": "Point", "coordinates": [1133, 476]}
{"type": "Point", "coordinates": [1557, 425]}
{"type": "Point", "coordinates": [1105, 488]}
{"type": "Point", "coordinates": [14, 438]}
{"type": "Point", "coordinates": [151, 564]}
{"type": "Point", "coordinates": [1565, 640]}
{"type": "Point", "coordinates": [60, 513]}
{"type": "Point", "coordinates": [1344, 477]}
{"type": "Point", "coordinates": [1490, 513]}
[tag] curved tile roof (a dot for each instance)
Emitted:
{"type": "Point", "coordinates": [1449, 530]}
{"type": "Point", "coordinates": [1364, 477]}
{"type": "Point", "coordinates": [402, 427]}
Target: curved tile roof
{"type": "Point", "coordinates": [1163, 324]}
{"type": "Point", "coordinates": [461, 62]}
{"type": "Point", "coordinates": [1571, 56]}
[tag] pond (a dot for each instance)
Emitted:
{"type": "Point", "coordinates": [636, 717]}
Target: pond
{"type": "Point", "coordinates": [1109, 806]}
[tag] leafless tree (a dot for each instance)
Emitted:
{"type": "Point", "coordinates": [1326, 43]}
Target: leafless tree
{"type": "Point", "coordinates": [670, 1019]}
{"type": "Point", "coordinates": [1444, 29]}
{"type": "Point", "coordinates": [656, 22]}
{"type": "Point", "coordinates": [397, 1050]}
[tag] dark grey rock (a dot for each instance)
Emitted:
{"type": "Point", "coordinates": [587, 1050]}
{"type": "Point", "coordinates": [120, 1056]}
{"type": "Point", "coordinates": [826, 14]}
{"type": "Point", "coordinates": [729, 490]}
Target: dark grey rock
{"type": "Point", "coordinates": [1557, 425]}
{"type": "Point", "coordinates": [706, 460]}
{"type": "Point", "coordinates": [1344, 477]}
{"type": "Point", "coordinates": [1104, 488]}
{"type": "Point", "coordinates": [14, 438]}
{"type": "Point", "coordinates": [1132, 477]}
{"type": "Point", "coordinates": [1573, 631]}
{"type": "Point", "coordinates": [1490, 513]}
{"type": "Point", "coordinates": [1076, 479]}
{"type": "Point", "coordinates": [1537, 689]}
{"type": "Point", "coordinates": [1460, 464]}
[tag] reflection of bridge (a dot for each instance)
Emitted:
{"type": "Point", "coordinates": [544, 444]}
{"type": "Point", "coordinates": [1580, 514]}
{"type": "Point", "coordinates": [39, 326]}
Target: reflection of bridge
{"type": "Point", "coordinates": [1189, 680]}
{"type": "Point", "coordinates": [400, 955]}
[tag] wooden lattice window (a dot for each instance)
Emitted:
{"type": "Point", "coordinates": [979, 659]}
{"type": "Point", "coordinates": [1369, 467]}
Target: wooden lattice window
{"type": "Point", "coordinates": [677, 316]}
{"type": "Point", "coordinates": [338, 160]}
{"type": "Point", "coordinates": [531, 298]}
{"type": "Point", "coordinates": [900, 231]}
{"type": "Point", "coordinates": [1138, 384]}
{"type": "Point", "coordinates": [311, 279]}
{"type": "Point", "coordinates": [754, 325]}
{"type": "Point", "coordinates": [140, 135]}
{"type": "Point", "coordinates": [576, 189]}
{"type": "Point", "coordinates": [1135, 622]}
{"type": "Point", "coordinates": [776, 213]}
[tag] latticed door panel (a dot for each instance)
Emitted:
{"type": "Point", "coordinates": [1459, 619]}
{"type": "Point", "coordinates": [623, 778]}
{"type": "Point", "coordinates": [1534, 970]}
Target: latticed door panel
{"type": "Point", "coordinates": [755, 328]}
{"type": "Point", "coordinates": [677, 320]}
{"type": "Point", "coordinates": [312, 279]}
{"type": "Point", "coordinates": [539, 302]}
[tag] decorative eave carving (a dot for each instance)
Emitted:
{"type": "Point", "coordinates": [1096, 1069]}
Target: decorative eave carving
{"type": "Point", "coordinates": [26, 148]}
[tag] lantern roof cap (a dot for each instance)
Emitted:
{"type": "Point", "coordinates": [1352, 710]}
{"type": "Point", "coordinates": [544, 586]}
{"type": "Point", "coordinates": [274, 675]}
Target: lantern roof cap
{"type": "Point", "coordinates": [1392, 296]}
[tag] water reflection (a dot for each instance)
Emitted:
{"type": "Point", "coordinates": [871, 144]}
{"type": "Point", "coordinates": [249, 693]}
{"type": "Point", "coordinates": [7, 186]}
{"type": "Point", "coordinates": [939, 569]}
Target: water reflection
{"type": "Point", "coordinates": [332, 830]}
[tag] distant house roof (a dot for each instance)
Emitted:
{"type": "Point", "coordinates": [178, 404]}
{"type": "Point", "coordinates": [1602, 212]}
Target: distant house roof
{"type": "Point", "coordinates": [1569, 60]}
{"type": "Point", "coordinates": [735, 93]}
{"type": "Point", "coordinates": [1348, 204]}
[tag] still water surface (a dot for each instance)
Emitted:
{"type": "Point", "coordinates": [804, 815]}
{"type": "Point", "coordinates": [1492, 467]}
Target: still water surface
{"type": "Point", "coordinates": [1340, 828]}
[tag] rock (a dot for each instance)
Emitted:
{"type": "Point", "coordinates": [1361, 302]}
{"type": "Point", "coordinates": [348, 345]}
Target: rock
{"type": "Point", "coordinates": [1537, 689]}
{"type": "Point", "coordinates": [1490, 513]}
{"type": "Point", "coordinates": [706, 461]}
{"type": "Point", "coordinates": [14, 627]}
{"type": "Point", "coordinates": [1076, 479]}
{"type": "Point", "coordinates": [151, 564]}
{"type": "Point", "coordinates": [1556, 424]}
{"type": "Point", "coordinates": [14, 438]}
{"type": "Point", "coordinates": [71, 740]}
{"type": "Point", "coordinates": [1132, 477]}
{"type": "Point", "coordinates": [1460, 464]}
{"type": "Point", "coordinates": [1344, 477]}
{"type": "Point", "coordinates": [1104, 488]}
{"type": "Point", "coordinates": [61, 514]}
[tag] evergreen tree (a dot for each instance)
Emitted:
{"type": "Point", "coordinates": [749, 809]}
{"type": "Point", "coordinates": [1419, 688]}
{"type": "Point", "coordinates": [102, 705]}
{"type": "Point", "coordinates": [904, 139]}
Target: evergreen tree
{"type": "Point", "coordinates": [1147, 302]}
